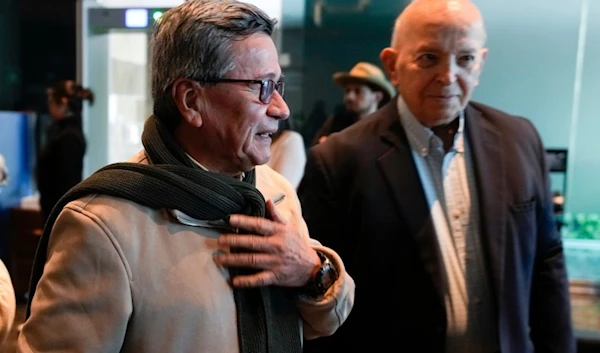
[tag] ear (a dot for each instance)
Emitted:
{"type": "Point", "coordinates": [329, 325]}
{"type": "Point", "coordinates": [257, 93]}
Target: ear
{"type": "Point", "coordinates": [378, 96]}
{"type": "Point", "coordinates": [186, 96]}
{"type": "Point", "coordinates": [388, 57]}
{"type": "Point", "coordinates": [484, 52]}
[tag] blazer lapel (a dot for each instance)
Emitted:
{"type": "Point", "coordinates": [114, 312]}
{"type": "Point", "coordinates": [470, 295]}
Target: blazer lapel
{"type": "Point", "coordinates": [489, 166]}
{"type": "Point", "coordinates": [400, 172]}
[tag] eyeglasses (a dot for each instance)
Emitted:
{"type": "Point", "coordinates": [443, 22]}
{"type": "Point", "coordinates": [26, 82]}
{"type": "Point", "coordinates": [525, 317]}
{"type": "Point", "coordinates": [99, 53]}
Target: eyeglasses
{"type": "Point", "coordinates": [267, 87]}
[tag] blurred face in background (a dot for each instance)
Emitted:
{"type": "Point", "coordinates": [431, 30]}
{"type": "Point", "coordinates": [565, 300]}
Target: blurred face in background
{"type": "Point", "coordinates": [57, 108]}
{"type": "Point", "coordinates": [361, 99]}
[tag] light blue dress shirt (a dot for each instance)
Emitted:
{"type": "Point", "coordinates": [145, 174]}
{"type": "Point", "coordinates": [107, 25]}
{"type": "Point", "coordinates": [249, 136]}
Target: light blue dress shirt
{"type": "Point", "coordinates": [449, 183]}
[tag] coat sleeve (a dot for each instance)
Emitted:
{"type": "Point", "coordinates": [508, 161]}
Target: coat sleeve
{"type": "Point", "coordinates": [550, 316]}
{"type": "Point", "coordinates": [324, 317]}
{"type": "Point", "coordinates": [83, 300]}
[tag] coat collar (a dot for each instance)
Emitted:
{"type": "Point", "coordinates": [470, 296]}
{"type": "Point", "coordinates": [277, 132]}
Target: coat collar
{"type": "Point", "coordinates": [402, 177]}
{"type": "Point", "coordinates": [490, 173]}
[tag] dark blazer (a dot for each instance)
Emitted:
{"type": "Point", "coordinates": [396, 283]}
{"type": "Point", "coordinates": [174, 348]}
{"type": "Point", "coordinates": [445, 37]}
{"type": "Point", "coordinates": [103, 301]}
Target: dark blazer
{"type": "Point", "coordinates": [362, 196]}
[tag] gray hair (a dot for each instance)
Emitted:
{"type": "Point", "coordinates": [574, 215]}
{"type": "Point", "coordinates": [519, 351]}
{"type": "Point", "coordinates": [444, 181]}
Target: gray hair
{"type": "Point", "coordinates": [194, 40]}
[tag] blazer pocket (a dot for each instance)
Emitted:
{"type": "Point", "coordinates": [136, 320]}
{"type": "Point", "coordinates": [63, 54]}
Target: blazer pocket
{"type": "Point", "coordinates": [523, 207]}
{"type": "Point", "coordinates": [523, 228]}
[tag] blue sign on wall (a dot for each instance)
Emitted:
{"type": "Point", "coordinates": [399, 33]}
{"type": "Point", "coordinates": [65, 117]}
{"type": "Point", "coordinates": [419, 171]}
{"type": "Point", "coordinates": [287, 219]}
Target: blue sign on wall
{"type": "Point", "coordinates": [15, 147]}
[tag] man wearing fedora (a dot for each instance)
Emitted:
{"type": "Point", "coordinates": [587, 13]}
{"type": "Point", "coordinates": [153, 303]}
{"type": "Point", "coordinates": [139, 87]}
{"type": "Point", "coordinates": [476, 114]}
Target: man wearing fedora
{"type": "Point", "coordinates": [366, 88]}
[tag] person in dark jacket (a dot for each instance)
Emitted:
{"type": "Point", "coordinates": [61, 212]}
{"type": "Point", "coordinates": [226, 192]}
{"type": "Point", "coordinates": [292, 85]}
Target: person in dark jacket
{"type": "Point", "coordinates": [441, 207]}
{"type": "Point", "coordinates": [60, 163]}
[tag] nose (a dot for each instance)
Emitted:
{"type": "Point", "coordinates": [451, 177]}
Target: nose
{"type": "Point", "coordinates": [278, 108]}
{"type": "Point", "coordinates": [448, 72]}
{"type": "Point", "coordinates": [350, 95]}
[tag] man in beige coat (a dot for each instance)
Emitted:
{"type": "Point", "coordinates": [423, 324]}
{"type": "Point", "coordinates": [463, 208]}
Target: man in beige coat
{"type": "Point", "coordinates": [194, 245]}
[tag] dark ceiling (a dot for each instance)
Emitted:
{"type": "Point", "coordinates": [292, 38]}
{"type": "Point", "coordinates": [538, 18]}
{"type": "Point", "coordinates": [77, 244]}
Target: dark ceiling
{"type": "Point", "coordinates": [47, 41]}
{"type": "Point", "coordinates": [48, 11]}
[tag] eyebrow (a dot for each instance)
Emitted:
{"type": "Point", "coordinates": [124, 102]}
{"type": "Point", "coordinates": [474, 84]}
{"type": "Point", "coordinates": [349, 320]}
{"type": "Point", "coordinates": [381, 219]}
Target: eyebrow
{"type": "Point", "coordinates": [426, 48]}
{"type": "Point", "coordinates": [430, 49]}
{"type": "Point", "coordinates": [273, 76]}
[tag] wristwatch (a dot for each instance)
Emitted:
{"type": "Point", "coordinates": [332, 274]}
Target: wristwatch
{"type": "Point", "coordinates": [323, 279]}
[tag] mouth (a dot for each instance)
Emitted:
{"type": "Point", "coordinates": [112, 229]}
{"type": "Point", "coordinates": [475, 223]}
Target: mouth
{"type": "Point", "coordinates": [265, 134]}
{"type": "Point", "coordinates": [443, 99]}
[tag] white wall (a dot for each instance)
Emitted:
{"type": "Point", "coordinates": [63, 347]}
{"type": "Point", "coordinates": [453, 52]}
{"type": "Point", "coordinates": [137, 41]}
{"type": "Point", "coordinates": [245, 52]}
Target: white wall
{"type": "Point", "coordinates": [584, 177]}
{"type": "Point", "coordinates": [540, 67]}
{"type": "Point", "coordinates": [531, 63]}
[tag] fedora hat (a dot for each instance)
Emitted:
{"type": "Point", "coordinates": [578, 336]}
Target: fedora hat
{"type": "Point", "coordinates": [368, 74]}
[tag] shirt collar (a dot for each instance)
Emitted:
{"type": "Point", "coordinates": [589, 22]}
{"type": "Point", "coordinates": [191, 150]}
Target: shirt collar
{"type": "Point", "coordinates": [459, 140]}
{"type": "Point", "coordinates": [239, 177]}
{"type": "Point", "coordinates": [419, 135]}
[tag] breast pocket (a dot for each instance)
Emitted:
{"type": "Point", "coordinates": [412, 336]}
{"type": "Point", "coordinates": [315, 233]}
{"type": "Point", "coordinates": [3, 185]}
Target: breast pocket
{"type": "Point", "coordinates": [524, 207]}
{"type": "Point", "coordinates": [284, 207]}
{"type": "Point", "coordinates": [524, 223]}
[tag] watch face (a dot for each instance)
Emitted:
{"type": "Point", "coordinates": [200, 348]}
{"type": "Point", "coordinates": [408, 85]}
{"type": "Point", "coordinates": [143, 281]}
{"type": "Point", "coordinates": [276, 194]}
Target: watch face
{"type": "Point", "coordinates": [329, 277]}
{"type": "Point", "coordinates": [323, 279]}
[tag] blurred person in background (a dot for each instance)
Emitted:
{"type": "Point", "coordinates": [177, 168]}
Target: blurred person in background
{"type": "Point", "coordinates": [194, 245]}
{"type": "Point", "coordinates": [288, 153]}
{"type": "Point", "coordinates": [366, 88]}
{"type": "Point", "coordinates": [313, 122]}
{"type": "Point", "coordinates": [60, 163]}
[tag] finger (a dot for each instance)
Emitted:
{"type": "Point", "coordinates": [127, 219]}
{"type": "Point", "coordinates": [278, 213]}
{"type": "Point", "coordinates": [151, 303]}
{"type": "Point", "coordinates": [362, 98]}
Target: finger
{"type": "Point", "coordinates": [257, 225]}
{"type": "Point", "coordinates": [261, 279]}
{"type": "Point", "coordinates": [273, 214]}
{"type": "Point", "coordinates": [260, 261]}
{"type": "Point", "coordinates": [251, 242]}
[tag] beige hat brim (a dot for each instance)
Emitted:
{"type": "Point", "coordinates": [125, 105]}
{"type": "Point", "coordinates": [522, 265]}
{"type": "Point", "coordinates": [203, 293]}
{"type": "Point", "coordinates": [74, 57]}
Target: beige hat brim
{"type": "Point", "coordinates": [342, 78]}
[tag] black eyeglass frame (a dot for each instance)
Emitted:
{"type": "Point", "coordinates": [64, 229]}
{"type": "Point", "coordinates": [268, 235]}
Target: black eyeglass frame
{"type": "Point", "coordinates": [267, 87]}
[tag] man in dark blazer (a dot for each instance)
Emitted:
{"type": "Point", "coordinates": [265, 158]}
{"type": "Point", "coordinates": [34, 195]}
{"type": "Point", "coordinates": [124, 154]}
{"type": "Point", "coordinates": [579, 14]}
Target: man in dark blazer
{"type": "Point", "coordinates": [440, 207]}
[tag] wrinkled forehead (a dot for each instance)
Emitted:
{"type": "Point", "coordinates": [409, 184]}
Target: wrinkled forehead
{"type": "Point", "coordinates": [256, 57]}
{"type": "Point", "coordinates": [446, 33]}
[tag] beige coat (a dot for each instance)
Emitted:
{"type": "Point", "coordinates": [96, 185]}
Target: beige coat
{"type": "Point", "coordinates": [125, 278]}
{"type": "Point", "coordinates": [7, 303]}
